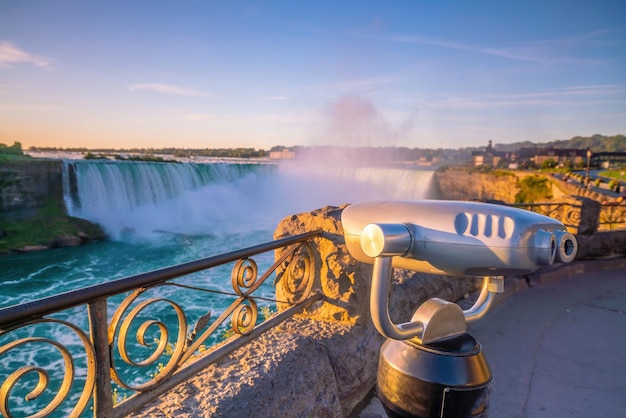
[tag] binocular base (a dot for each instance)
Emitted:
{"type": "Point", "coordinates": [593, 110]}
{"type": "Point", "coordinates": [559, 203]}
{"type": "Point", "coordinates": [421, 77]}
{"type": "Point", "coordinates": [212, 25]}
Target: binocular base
{"type": "Point", "coordinates": [448, 378]}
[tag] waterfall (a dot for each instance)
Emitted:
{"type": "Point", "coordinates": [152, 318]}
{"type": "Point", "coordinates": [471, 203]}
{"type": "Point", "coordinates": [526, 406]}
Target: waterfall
{"type": "Point", "coordinates": [131, 199]}
{"type": "Point", "coordinates": [141, 197]}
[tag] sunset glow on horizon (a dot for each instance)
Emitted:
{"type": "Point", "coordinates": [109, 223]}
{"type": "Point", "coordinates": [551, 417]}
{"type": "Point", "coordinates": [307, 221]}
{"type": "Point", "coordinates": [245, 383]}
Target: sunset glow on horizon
{"type": "Point", "coordinates": [207, 74]}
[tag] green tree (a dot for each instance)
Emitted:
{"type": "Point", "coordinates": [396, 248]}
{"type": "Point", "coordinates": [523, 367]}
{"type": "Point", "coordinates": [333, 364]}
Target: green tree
{"type": "Point", "coordinates": [15, 149]}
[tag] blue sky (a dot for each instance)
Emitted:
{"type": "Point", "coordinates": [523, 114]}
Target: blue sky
{"type": "Point", "coordinates": [212, 74]}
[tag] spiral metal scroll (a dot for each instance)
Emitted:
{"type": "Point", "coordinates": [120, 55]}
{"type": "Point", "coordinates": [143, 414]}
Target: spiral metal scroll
{"type": "Point", "coordinates": [244, 317]}
{"type": "Point", "coordinates": [613, 216]}
{"type": "Point", "coordinates": [244, 276]}
{"type": "Point", "coordinates": [551, 210]}
{"type": "Point", "coordinates": [123, 327]}
{"type": "Point", "coordinates": [42, 383]}
{"type": "Point", "coordinates": [568, 214]}
{"type": "Point", "coordinates": [571, 216]}
{"type": "Point", "coordinates": [244, 310]}
{"type": "Point", "coordinates": [298, 277]}
{"type": "Point", "coordinates": [245, 281]}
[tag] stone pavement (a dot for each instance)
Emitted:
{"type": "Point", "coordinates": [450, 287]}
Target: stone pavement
{"type": "Point", "coordinates": [557, 348]}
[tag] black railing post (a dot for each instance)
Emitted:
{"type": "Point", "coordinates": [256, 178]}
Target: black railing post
{"type": "Point", "coordinates": [98, 331]}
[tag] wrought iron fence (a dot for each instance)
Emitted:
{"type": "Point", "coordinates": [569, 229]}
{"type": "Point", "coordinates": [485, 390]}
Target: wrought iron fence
{"type": "Point", "coordinates": [83, 347]}
{"type": "Point", "coordinates": [612, 217]}
{"type": "Point", "coordinates": [568, 214]}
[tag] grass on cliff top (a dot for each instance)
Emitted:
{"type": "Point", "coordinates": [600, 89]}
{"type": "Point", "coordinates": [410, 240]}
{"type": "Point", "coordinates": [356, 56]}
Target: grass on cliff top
{"type": "Point", "coordinates": [482, 169]}
{"type": "Point", "coordinates": [7, 158]}
{"type": "Point", "coordinates": [49, 222]}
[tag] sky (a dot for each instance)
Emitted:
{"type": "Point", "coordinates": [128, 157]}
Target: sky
{"type": "Point", "coordinates": [256, 74]}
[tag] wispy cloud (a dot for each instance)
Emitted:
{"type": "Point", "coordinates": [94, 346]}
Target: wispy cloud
{"type": "Point", "coordinates": [565, 96]}
{"type": "Point", "coordinates": [349, 86]}
{"type": "Point", "coordinates": [368, 83]}
{"type": "Point", "coordinates": [594, 89]}
{"type": "Point", "coordinates": [199, 116]}
{"type": "Point", "coordinates": [294, 118]}
{"type": "Point", "coordinates": [271, 118]}
{"type": "Point", "coordinates": [530, 51]}
{"type": "Point", "coordinates": [166, 89]}
{"type": "Point", "coordinates": [510, 53]}
{"type": "Point", "coordinates": [10, 54]}
{"type": "Point", "coordinates": [275, 98]}
{"type": "Point", "coordinates": [597, 91]}
{"type": "Point", "coordinates": [28, 107]}
{"type": "Point", "coordinates": [595, 37]}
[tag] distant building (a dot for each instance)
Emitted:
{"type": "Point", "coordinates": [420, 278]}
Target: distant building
{"type": "Point", "coordinates": [529, 156]}
{"type": "Point", "coordinates": [427, 161]}
{"type": "Point", "coordinates": [608, 159]}
{"type": "Point", "coordinates": [283, 154]}
{"type": "Point", "coordinates": [488, 157]}
{"type": "Point", "coordinates": [559, 155]}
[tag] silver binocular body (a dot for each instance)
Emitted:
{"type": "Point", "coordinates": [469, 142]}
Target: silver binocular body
{"type": "Point", "coordinates": [456, 238]}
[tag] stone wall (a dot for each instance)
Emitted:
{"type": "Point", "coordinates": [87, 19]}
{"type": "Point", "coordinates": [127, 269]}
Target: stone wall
{"type": "Point", "coordinates": [601, 245]}
{"type": "Point", "coordinates": [462, 184]}
{"type": "Point", "coordinates": [321, 363]}
{"type": "Point", "coordinates": [26, 186]}
{"type": "Point", "coordinates": [577, 190]}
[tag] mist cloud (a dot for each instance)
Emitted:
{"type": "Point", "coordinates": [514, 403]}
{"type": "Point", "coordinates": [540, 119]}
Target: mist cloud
{"type": "Point", "coordinates": [353, 120]}
{"type": "Point", "coordinates": [166, 89]}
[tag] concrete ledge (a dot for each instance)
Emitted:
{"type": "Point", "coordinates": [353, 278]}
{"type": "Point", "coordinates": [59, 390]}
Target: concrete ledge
{"type": "Point", "coordinates": [577, 267]}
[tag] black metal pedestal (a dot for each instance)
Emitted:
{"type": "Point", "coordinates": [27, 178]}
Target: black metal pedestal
{"type": "Point", "coordinates": [448, 379]}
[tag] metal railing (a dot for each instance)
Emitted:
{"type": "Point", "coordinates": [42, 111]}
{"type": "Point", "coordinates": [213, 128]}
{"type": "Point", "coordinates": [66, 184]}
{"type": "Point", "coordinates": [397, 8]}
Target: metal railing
{"type": "Point", "coordinates": [94, 357]}
{"type": "Point", "coordinates": [566, 213]}
{"type": "Point", "coordinates": [612, 217]}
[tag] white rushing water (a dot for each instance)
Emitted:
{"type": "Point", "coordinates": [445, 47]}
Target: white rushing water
{"type": "Point", "coordinates": [137, 199]}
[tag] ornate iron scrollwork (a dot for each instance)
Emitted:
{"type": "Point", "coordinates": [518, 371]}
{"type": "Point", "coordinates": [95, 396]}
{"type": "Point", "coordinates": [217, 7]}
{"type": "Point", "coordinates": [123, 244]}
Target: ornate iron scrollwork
{"type": "Point", "coordinates": [121, 327]}
{"type": "Point", "coordinates": [244, 276]}
{"type": "Point", "coordinates": [297, 277]}
{"type": "Point", "coordinates": [612, 217]}
{"type": "Point", "coordinates": [134, 329]}
{"type": "Point", "coordinates": [566, 213]}
{"type": "Point", "coordinates": [17, 376]}
{"type": "Point", "coordinates": [571, 216]}
{"type": "Point", "coordinates": [244, 317]}
{"type": "Point", "coordinates": [243, 313]}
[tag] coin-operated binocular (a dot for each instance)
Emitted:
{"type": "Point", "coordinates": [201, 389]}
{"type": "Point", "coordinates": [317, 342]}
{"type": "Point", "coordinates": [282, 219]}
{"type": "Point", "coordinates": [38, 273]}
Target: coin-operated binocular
{"type": "Point", "coordinates": [430, 366]}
